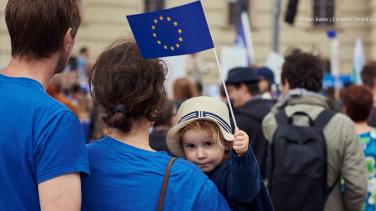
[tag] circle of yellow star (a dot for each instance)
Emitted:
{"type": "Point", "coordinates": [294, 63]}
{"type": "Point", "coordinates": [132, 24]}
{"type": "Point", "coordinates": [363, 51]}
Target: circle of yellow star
{"type": "Point", "coordinates": [159, 42]}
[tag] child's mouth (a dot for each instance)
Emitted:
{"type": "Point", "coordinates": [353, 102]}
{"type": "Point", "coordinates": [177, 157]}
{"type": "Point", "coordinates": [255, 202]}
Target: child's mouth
{"type": "Point", "coordinates": [205, 165]}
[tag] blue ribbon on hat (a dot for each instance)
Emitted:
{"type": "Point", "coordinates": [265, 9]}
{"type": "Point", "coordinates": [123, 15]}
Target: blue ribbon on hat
{"type": "Point", "coordinates": [198, 114]}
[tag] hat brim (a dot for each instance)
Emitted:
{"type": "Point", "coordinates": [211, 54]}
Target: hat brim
{"type": "Point", "coordinates": [173, 139]}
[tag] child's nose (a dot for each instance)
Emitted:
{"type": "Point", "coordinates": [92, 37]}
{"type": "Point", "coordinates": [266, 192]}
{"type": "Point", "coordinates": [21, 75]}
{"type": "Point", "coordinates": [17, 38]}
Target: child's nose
{"type": "Point", "coordinates": [201, 153]}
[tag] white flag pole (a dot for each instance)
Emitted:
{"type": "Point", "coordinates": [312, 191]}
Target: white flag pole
{"type": "Point", "coordinates": [224, 86]}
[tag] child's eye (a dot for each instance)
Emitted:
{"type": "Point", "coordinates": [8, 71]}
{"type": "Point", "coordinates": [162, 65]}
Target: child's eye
{"type": "Point", "coordinates": [208, 143]}
{"type": "Point", "coordinates": [190, 146]}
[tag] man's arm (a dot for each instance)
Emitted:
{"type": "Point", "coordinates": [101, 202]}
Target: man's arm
{"type": "Point", "coordinates": [61, 193]}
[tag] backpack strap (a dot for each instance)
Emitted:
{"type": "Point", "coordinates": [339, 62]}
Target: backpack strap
{"type": "Point", "coordinates": [323, 118]}
{"type": "Point", "coordinates": [281, 117]}
{"type": "Point", "coordinates": [164, 185]}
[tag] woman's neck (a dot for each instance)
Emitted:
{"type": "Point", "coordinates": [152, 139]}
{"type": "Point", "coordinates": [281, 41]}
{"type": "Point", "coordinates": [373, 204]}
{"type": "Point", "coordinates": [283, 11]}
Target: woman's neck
{"type": "Point", "coordinates": [138, 136]}
{"type": "Point", "coordinates": [362, 127]}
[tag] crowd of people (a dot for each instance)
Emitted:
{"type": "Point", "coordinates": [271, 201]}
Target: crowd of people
{"type": "Point", "coordinates": [293, 150]}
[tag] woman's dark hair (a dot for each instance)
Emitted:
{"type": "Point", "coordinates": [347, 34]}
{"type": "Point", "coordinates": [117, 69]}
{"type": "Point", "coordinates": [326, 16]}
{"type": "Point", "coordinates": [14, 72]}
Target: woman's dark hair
{"type": "Point", "coordinates": [127, 86]}
{"type": "Point", "coordinates": [303, 70]}
{"type": "Point", "coordinates": [358, 102]}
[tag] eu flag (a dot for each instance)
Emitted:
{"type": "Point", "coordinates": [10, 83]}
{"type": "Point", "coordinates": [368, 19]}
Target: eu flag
{"type": "Point", "coordinates": [170, 32]}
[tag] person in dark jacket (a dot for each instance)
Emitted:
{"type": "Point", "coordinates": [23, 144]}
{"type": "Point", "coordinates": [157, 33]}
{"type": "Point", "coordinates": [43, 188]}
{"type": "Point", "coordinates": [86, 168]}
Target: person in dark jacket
{"type": "Point", "coordinates": [203, 135]}
{"type": "Point", "coordinates": [250, 109]}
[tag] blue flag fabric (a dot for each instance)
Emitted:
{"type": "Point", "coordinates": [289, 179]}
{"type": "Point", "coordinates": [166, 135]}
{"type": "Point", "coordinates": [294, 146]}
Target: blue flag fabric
{"type": "Point", "coordinates": [170, 32]}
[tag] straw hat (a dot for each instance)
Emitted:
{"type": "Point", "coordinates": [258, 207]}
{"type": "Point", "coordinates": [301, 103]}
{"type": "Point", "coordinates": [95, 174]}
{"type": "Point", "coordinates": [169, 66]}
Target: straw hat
{"type": "Point", "coordinates": [199, 108]}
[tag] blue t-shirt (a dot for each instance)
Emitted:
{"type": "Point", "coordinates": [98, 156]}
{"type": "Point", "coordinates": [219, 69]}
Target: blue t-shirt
{"type": "Point", "coordinates": [39, 139]}
{"type": "Point", "coordinates": [368, 142]}
{"type": "Point", "coordinates": [127, 178]}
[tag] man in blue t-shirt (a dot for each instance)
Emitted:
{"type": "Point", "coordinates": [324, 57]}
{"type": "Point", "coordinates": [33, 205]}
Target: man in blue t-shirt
{"type": "Point", "coordinates": [42, 150]}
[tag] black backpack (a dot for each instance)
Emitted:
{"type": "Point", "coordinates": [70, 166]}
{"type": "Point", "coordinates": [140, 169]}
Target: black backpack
{"type": "Point", "coordinates": [299, 163]}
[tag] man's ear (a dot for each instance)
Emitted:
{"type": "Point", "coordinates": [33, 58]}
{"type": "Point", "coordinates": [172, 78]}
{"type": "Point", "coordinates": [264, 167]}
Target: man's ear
{"type": "Point", "coordinates": [68, 40]}
{"type": "Point", "coordinates": [243, 87]}
{"type": "Point", "coordinates": [285, 86]}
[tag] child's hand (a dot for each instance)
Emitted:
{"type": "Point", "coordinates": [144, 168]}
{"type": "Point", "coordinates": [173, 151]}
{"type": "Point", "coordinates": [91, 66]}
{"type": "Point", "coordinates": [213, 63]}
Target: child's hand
{"type": "Point", "coordinates": [241, 142]}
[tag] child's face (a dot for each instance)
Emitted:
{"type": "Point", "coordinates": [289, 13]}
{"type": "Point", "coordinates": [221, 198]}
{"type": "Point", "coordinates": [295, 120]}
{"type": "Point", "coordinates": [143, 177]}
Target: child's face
{"type": "Point", "coordinates": [200, 149]}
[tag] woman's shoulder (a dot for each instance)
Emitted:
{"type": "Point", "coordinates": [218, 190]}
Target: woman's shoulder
{"type": "Point", "coordinates": [188, 175]}
{"type": "Point", "coordinates": [185, 170]}
{"type": "Point", "coordinates": [183, 166]}
{"type": "Point", "coordinates": [95, 144]}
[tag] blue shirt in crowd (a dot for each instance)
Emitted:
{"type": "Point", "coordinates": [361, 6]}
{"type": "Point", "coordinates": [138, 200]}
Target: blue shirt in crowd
{"type": "Point", "coordinates": [127, 178]}
{"type": "Point", "coordinates": [39, 139]}
{"type": "Point", "coordinates": [368, 142]}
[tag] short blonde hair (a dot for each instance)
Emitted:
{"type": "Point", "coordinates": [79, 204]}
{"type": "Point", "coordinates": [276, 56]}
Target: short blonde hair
{"type": "Point", "coordinates": [211, 129]}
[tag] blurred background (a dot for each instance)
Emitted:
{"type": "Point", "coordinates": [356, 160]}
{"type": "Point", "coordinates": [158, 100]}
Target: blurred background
{"type": "Point", "coordinates": [104, 21]}
{"type": "Point", "coordinates": [245, 33]}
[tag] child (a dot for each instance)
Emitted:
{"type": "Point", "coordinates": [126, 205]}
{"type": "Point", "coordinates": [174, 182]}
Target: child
{"type": "Point", "coordinates": [203, 135]}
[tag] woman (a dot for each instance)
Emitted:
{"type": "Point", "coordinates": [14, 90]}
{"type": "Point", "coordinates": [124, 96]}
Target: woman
{"type": "Point", "coordinates": [126, 173]}
{"type": "Point", "coordinates": [358, 103]}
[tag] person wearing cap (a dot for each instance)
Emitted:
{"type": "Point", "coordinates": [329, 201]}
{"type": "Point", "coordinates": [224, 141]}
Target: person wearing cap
{"type": "Point", "coordinates": [204, 136]}
{"type": "Point", "coordinates": [249, 109]}
{"type": "Point", "coordinates": [266, 82]}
